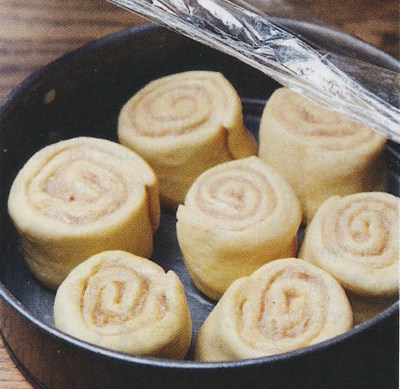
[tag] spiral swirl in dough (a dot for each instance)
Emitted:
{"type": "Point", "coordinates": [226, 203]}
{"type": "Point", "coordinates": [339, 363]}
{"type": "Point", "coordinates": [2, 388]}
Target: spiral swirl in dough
{"type": "Point", "coordinates": [285, 305]}
{"type": "Point", "coordinates": [319, 152]}
{"type": "Point", "coordinates": [81, 196]}
{"type": "Point", "coordinates": [236, 217]}
{"type": "Point", "coordinates": [127, 303]}
{"type": "Point", "coordinates": [182, 125]}
{"type": "Point", "coordinates": [356, 239]}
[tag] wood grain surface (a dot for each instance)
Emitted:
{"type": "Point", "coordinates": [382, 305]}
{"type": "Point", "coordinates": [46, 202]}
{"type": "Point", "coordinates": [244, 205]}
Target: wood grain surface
{"type": "Point", "coordinates": [35, 32]}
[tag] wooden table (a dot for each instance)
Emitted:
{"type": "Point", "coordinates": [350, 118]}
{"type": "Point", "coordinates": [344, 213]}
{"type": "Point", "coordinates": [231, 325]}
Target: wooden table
{"type": "Point", "coordinates": [33, 33]}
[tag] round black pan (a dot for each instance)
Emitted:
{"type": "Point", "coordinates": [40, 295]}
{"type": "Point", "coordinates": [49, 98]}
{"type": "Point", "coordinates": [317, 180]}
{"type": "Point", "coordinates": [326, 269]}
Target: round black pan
{"type": "Point", "coordinates": [81, 94]}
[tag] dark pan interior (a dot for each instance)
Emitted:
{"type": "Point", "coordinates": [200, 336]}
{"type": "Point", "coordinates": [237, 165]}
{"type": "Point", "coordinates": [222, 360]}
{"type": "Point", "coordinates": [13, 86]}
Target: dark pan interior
{"type": "Point", "coordinates": [81, 94]}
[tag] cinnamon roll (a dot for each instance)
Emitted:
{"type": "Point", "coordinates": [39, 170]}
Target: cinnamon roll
{"type": "Point", "coordinates": [182, 125]}
{"type": "Point", "coordinates": [356, 239]}
{"type": "Point", "coordinates": [236, 217]}
{"type": "Point", "coordinates": [81, 196]}
{"type": "Point", "coordinates": [126, 303]}
{"type": "Point", "coordinates": [319, 152]}
{"type": "Point", "coordinates": [285, 305]}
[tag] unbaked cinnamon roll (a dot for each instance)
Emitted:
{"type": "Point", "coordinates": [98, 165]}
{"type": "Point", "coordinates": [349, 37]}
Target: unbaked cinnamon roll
{"type": "Point", "coordinates": [236, 217]}
{"type": "Point", "coordinates": [356, 239]}
{"type": "Point", "coordinates": [319, 152]}
{"type": "Point", "coordinates": [126, 303]}
{"type": "Point", "coordinates": [81, 196]}
{"type": "Point", "coordinates": [285, 305]}
{"type": "Point", "coordinates": [183, 124]}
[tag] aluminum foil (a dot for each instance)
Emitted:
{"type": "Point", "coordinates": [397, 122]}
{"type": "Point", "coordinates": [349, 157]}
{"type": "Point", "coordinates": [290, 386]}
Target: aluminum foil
{"type": "Point", "coordinates": [244, 31]}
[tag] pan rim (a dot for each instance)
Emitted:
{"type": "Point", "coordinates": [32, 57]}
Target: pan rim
{"type": "Point", "coordinates": [168, 363]}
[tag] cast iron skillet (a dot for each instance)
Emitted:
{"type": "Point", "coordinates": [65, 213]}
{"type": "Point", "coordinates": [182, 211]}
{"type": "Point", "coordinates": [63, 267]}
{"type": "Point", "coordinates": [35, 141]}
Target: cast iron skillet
{"type": "Point", "coordinates": [81, 94]}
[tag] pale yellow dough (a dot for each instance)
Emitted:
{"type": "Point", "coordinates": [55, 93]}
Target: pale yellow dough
{"type": "Point", "coordinates": [126, 303]}
{"type": "Point", "coordinates": [285, 305]}
{"type": "Point", "coordinates": [81, 196]}
{"type": "Point", "coordinates": [356, 239]}
{"type": "Point", "coordinates": [236, 217]}
{"type": "Point", "coordinates": [182, 125]}
{"type": "Point", "coordinates": [319, 152]}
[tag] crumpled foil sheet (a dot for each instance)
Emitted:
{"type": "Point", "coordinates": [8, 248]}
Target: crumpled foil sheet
{"type": "Point", "coordinates": [242, 30]}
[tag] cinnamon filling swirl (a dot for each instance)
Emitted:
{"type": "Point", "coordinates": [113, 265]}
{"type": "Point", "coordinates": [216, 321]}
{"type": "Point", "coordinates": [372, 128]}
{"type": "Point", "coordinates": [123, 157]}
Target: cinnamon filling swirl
{"type": "Point", "coordinates": [173, 112]}
{"type": "Point", "coordinates": [184, 124]}
{"type": "Point", "coordinates": [325, 129]}
{"type": "Point", "coordinates": [116, 294]}
{"type": "Point", "coordinates": [236, 198]}
{"type": "Point", "coordinates": [78, 188]}
{"type": "Point", "coordinates": [362, 228]}
{"type": "Point", "coordinates": [356, 239]}
{"type": "Point", "coordinates": [319, 152]}
{"type": "Point", "coordinates": [292, 304]}
{"type": "Point", "coordinates": [127, 303]}
{"type": "Point", "coordinates": [285, 305]}
{"type": "Point", "coordinates": [237, 216]}
{"type": "Point", "coordinates": [81, 196]}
